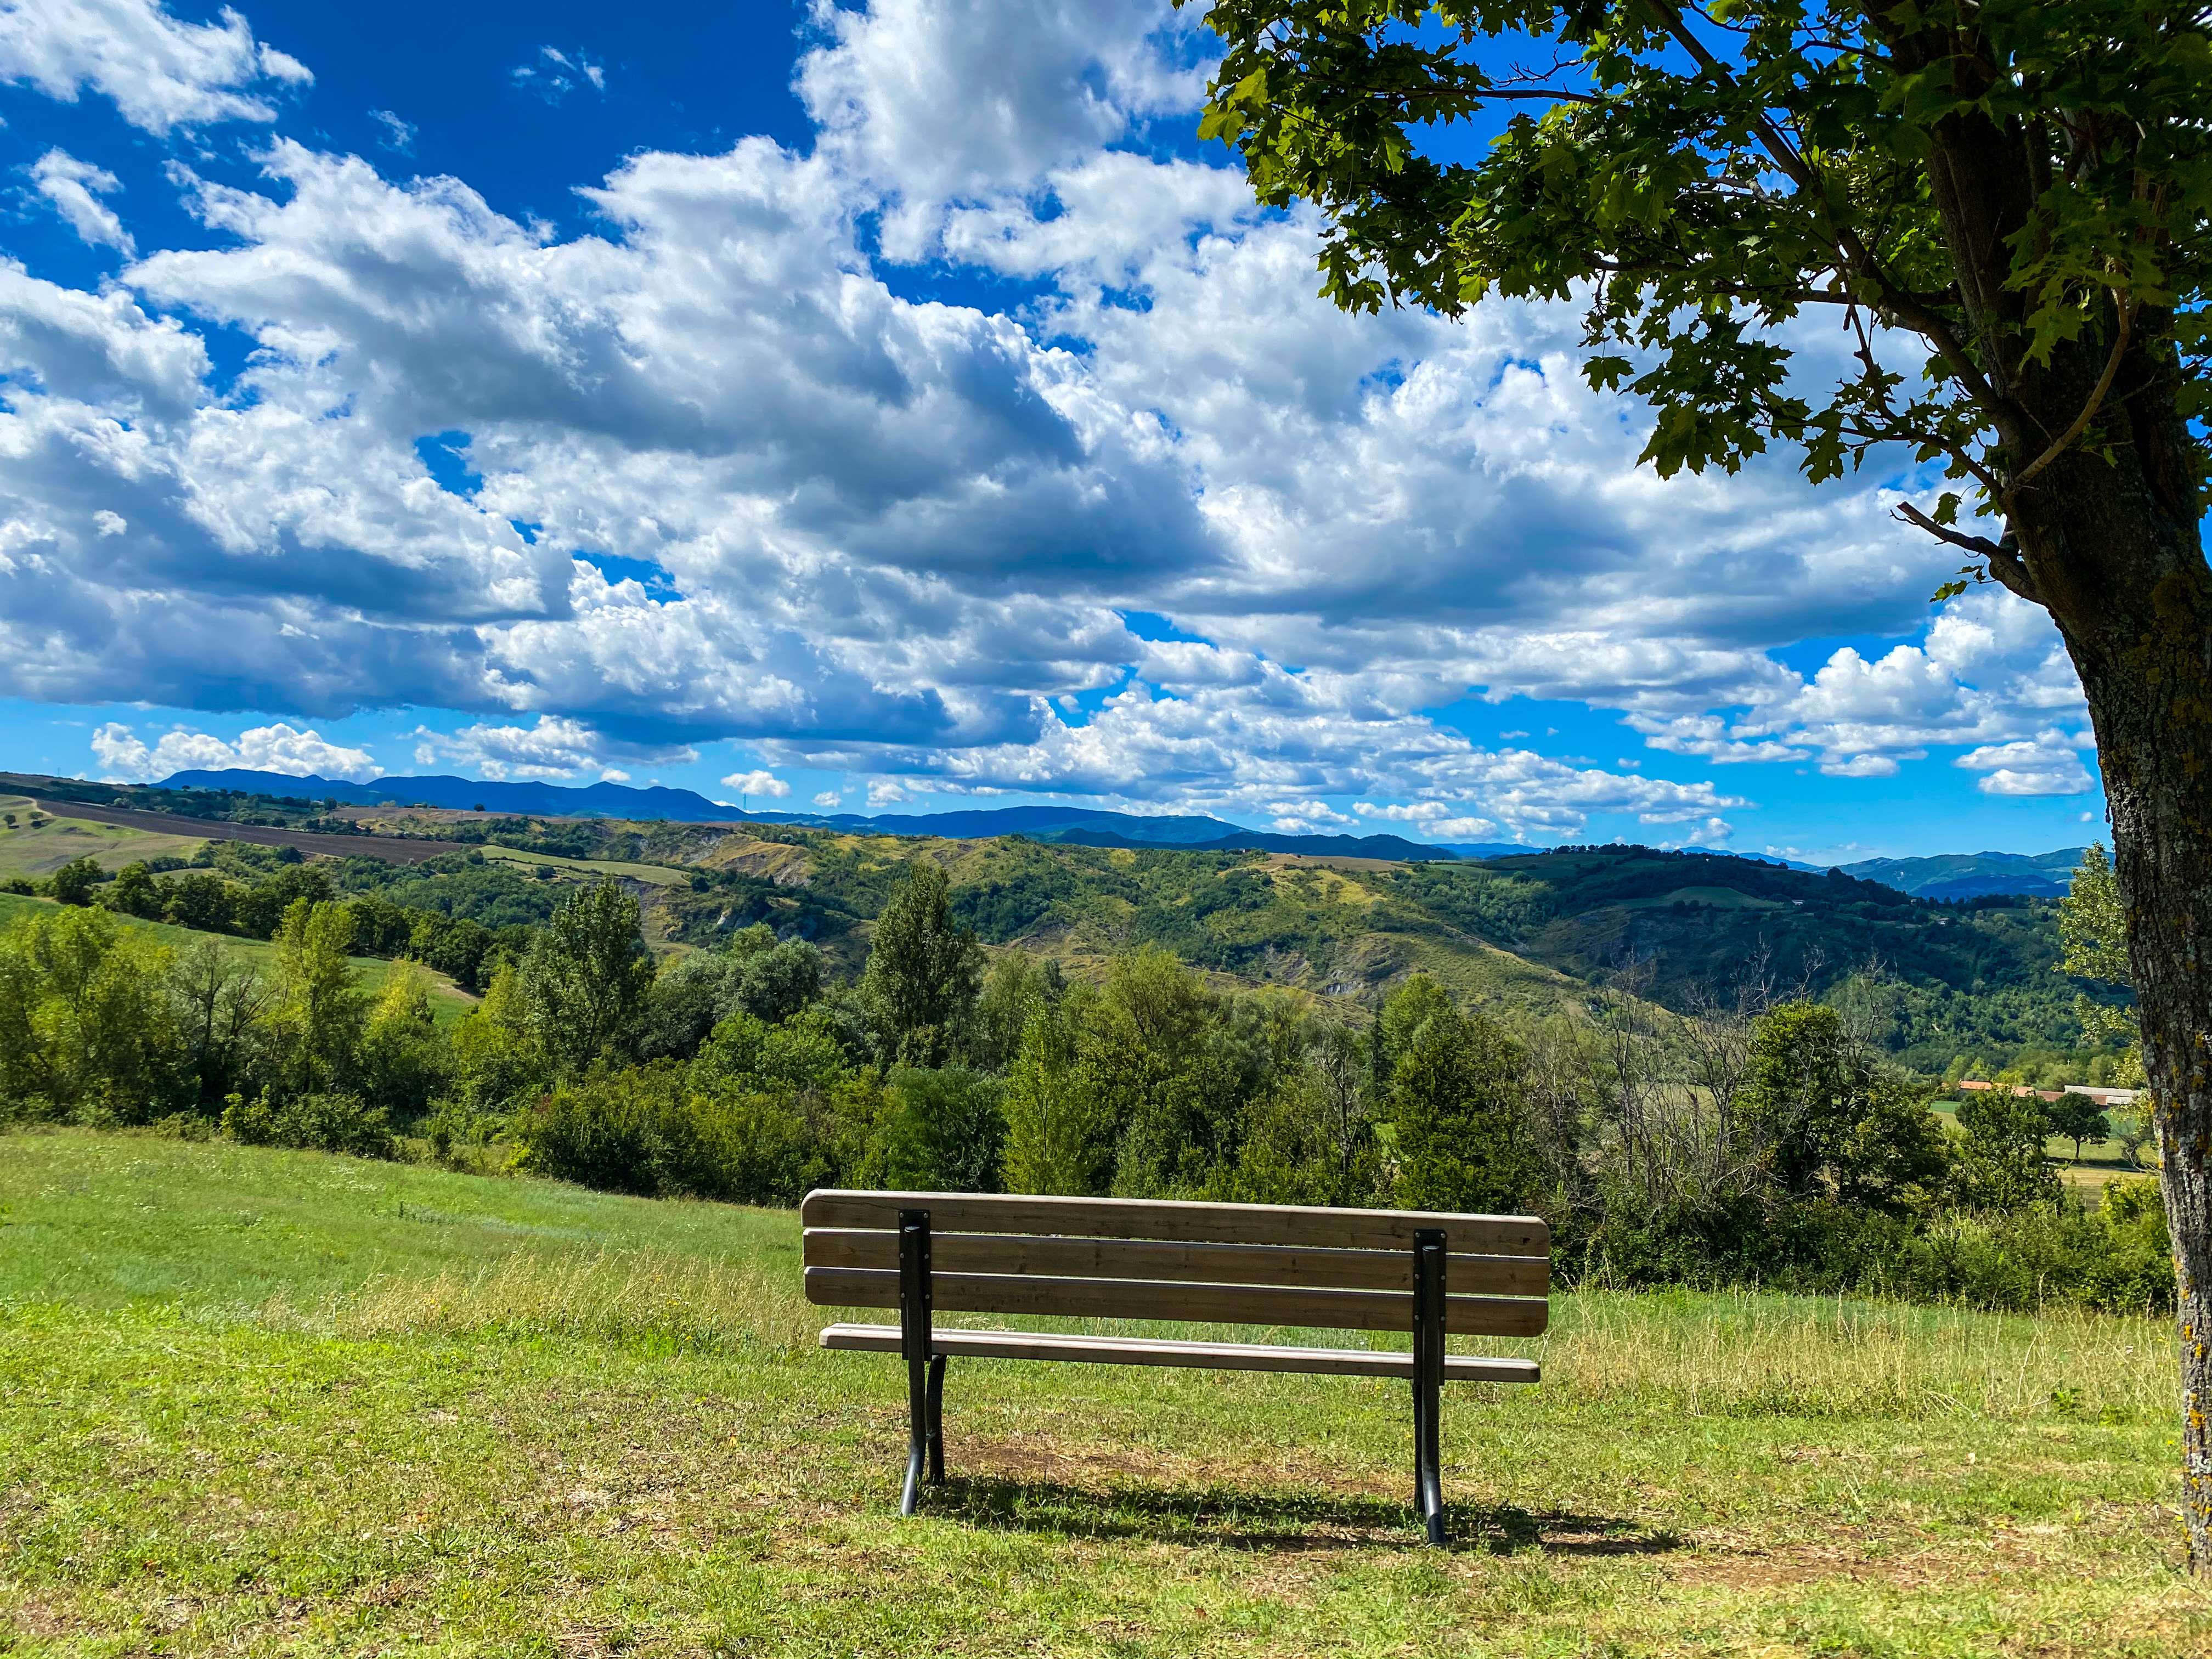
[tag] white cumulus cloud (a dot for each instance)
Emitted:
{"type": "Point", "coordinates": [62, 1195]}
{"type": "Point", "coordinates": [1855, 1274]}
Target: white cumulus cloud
{"type": "Point", "coordinates": [162, 72]}
{"type": "Point", "coordinates": [2049, 763]}
{"type": "Point", "coordinates": [278, 748]}
{"type": "Point", "coordinates": [554, 748]}
{"type": "Point", "coordinates": [74, 188]}
{"type": "Point", "coordinates": [916, 541]}
{"type": "Point", "coordinates": [758, 783]}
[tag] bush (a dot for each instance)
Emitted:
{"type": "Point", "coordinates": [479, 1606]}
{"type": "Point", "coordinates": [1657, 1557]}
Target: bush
{"type": "Point", "coordinates": [73, 883]}
{"type": "Point", "coordinates": [644, 1130]}
{"type": "Point", "coordinates": [321, 1123]}
{"type": "Point", "coordinates": [948, 1132]}
{"type": "Point", "coordinates": [2115, 1257]}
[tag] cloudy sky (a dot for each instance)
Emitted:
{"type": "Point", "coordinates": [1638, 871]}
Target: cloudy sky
{"type": "Point", "coordinates": [893, 406]}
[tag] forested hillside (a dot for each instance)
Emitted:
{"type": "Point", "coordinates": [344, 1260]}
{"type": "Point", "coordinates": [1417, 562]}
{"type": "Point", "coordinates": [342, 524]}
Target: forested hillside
{"type": "Point", "coordinates": [1943, 987]}
{"type": "Point", "coordinates": [1938, 983]}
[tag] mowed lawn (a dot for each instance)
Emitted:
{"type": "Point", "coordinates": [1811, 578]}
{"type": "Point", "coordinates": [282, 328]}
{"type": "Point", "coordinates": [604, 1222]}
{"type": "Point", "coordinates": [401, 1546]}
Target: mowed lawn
{"type": "Point", "coordinates": [267, 1402]}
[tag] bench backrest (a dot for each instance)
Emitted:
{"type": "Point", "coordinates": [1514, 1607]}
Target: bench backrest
{"type": "Point", "coordinates": [1240, 1264]}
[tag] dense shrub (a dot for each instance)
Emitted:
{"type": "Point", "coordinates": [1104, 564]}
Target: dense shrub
{"type": "Point", "coordinates": [645, 1130]}
{"type": "Point", "coordinates": [319, 1122]}
{"type": "Point", "coordinates": [2115, 1257]}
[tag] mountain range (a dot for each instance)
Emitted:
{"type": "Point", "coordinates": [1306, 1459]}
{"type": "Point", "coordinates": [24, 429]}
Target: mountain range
{"type": "Point", "coordinates": [1083, 826]}
{"type": "Point", "coordinates": [1975, 875]}
{"type": "Point", "coordinates": [1946, 876]}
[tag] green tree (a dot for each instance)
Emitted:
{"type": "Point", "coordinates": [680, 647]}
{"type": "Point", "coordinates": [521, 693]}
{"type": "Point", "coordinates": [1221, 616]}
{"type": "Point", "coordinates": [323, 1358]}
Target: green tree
{"type": "Point", "coordinates": [1058, 1136]}
{"type": "Point", "coordinates": [496, 1061]}
{"type": "Point", "coordinates": [1018, 984]}
{"type": "Point", "coordinates": [220, 1007]}
{"type": "Point", "coordinates": [86, 1027]}
{"type": "Point", "coordinates": [134, 893]}
{"type": "Point", "coordinates": [2022, 191]}
{"type": "Point", "coordinates": [2078, 1118]}
{"type": "Point", "coordinates": [318, 1008]}
{"type": "Point", "coordinates": [1459, 1119]}
{"type": "Point", "coordinates": [924, 972]}
{"type": "Point", "coordinates": [403, 1058]}
{"type": "Point", "coordinates": [73, 883]}
{"type": "Point", "coordinates": [2000, 1164]}
{"type": "Point", "coordinates": [1405, 1011]}
{"type": "Point", "coordinates": [1814, 1110]}
{"type": "Point", "coordinates": [948, 1132]}
{"type": "Point", "coordinates": [201, 902]}
{"type": "Point", "coordinates": [587, 975]}
{"type": "Point", "coordinates": [2092, 931]}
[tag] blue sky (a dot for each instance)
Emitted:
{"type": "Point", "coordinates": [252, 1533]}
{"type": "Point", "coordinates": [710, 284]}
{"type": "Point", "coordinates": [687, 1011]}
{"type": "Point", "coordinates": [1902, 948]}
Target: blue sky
{"type": "Point", "coordinates": [895, 407]}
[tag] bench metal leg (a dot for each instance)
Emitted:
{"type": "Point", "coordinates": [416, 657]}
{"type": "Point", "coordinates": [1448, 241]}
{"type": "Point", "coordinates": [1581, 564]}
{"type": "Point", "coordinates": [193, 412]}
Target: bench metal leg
{"type": "Point", "coordinates": [937, 1420]}
{"type": "Point", "coordinates": [924, 1372]}
{"type": "Point", "coordinates": [1429, 1256]}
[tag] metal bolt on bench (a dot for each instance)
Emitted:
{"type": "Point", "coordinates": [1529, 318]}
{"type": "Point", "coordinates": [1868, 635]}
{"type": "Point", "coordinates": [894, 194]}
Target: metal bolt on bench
{"type": "Point", "coordinates": [1245, 1264]}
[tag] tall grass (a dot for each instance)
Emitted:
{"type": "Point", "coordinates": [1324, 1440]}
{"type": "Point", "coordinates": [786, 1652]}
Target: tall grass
{"type": "Point", "coordinates": [636, 1299]}
{"type": "Point", "coordinates": [1721, 1354]}
{"type": "Point", "coordinates": [1743, 1353]}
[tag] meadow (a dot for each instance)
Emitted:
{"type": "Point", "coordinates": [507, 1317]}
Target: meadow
{"type": "Point", "coordinates": [37, 844]}
{"type": "Point", "coordinates": [288, 1402]}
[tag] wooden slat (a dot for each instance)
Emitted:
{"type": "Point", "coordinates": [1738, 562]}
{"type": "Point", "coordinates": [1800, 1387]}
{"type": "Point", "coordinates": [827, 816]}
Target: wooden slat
{"type": "Point", "coordinates": [1312, 1266]}
{"type": "Point", "coordinates": [1122, 1298]}
{"type": "Point", "coordinates": [1162, 1218]}
{"type": "Point", "coordinates": [1197, 1356]}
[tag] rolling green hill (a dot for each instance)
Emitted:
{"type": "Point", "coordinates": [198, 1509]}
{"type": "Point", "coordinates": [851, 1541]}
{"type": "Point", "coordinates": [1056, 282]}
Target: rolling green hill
{"type": "Point", "coordinates": [1526, 934]}
{"type": "Point", "coordinates": [1531, 933]}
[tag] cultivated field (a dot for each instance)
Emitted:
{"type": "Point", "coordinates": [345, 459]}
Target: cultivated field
{"type": "Point", "coordinates": [268, 1402]}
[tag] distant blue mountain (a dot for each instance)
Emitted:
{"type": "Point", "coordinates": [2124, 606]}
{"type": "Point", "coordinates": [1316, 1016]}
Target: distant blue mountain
{"type": "Point", "coordinates": [1038, 822]}
{"type": "Point", "coordinates": [1352, 847]}
{"type": "Point", "coordinates": [600, 800]}
{"type": "Point", "coordinates": [1975, 875]}
{"type": "Point", "coordinates": [1087, 826]}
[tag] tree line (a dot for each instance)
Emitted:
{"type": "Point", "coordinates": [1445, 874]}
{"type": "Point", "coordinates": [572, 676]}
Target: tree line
{"type": "Point", "coordinates": [1765, 1142]}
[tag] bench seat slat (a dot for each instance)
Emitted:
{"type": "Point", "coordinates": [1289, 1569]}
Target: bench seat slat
{"type": "Point", "coordinates": [1199, 1356]}
{"type": "Point", "coordinates": [1122, 1298]}
{"type": "Point", "coordinates": [1172, 1219]}
{"type": "Point", "coordinates": [1313, 1267]}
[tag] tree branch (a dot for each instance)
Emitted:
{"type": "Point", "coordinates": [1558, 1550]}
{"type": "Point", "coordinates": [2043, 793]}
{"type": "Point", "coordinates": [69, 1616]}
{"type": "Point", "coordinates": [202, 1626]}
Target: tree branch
{"type": "Point", "coordinates": [2004, 561]}
{"type": "Point", "coordinates": [1856, 253]}
{"type": "Point", "coordinates": [2088, 410]}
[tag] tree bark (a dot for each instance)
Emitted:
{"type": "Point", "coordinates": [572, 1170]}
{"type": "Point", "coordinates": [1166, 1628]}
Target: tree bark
{"type": "Point", "coordinates": [2114, 550]}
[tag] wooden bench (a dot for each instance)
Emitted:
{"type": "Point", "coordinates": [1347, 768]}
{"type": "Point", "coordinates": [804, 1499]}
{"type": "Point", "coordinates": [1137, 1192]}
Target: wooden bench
{"type": "Point", "coordinates": [1425, 1274]}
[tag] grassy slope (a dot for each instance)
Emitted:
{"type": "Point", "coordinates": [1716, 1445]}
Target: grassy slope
{"type": "Point", "coordinates": [448, 1002]}
{"type": "Point", "coordinates": [659, 875]}
{"type": "Point", "coordinates": [285, 1403]}
{"type": "Point", "coordinates": [41, 848]}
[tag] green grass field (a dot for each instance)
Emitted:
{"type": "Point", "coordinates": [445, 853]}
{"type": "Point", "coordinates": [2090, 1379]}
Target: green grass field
{"type": "Point", "coordinates": [28, 848]}
{"type": "Point", "coordinates": [266, 1402]}
{"type": "Point", "coordinates": [448, 1002]}
{"type": "Point", "coordinates": [659, 875]}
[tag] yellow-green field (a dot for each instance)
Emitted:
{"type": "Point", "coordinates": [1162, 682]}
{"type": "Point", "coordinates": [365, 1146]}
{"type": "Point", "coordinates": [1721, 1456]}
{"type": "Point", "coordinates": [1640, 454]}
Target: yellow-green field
{"type": "Point", "coordinates": [40, 847]}
{"type": "Point", "coordinates": [660, 874]}
{"type": "Point", "coordinates": [264, 1402]}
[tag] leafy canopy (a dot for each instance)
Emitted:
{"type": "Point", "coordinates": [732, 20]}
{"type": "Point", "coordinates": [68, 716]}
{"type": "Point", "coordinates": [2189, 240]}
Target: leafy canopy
{"type": "Point", "coordinates": [2020, 185]}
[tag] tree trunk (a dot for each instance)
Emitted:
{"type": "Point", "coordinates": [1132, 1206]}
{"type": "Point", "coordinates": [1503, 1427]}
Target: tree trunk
{"type": "Point", "coordinates": [2113, 550]}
